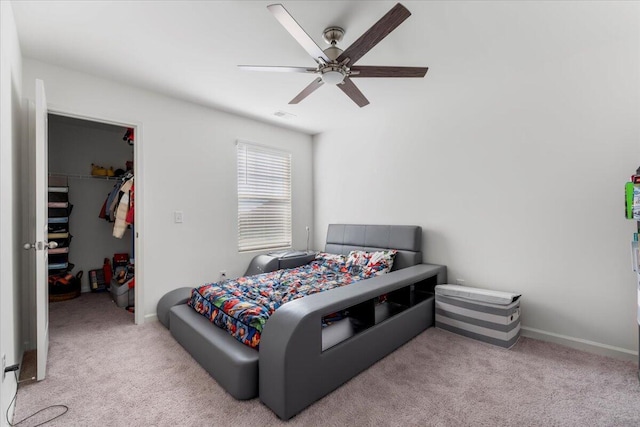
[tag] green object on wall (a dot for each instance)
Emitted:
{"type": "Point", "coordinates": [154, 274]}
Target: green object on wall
{"type": "Point", "coordinates": [628, 189]}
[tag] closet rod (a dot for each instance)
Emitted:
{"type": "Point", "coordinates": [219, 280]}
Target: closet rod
{"type": "Point", "coordinates": [78, 176]}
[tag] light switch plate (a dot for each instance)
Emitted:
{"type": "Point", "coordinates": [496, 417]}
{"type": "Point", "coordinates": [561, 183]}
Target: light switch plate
{"type": "Point", "coordinates": [178, 217]}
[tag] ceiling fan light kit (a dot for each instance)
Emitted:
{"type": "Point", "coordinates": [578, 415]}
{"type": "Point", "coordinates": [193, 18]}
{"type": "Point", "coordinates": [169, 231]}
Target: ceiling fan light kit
{"type": "Point", "coordinates": [333, 75]}
{"type": "Point", "coordinates": [335, 66]}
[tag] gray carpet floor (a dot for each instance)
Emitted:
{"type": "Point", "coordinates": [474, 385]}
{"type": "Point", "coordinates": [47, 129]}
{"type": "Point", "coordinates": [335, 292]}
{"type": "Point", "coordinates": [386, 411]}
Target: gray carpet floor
{"type": "Point", "coordinates": [110, 372]}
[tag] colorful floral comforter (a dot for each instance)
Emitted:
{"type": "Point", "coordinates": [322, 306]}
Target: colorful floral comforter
{"type": "Point", "coordinates": [242, 306]}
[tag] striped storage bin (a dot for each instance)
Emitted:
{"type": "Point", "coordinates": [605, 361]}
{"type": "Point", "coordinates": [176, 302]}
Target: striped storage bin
{"type": "Point", "coordinates": [489, 316]}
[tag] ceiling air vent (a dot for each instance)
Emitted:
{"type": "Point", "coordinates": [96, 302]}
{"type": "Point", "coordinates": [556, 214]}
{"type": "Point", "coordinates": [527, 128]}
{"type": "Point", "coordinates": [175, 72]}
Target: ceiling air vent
{"type": "Point", "coordinates": [284, 114]}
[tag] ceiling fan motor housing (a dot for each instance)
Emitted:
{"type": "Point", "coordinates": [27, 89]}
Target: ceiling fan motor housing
{"type": "Point", "coordinates": [333, 52]}
{"type": "Point", "coordinates": [332, 36]}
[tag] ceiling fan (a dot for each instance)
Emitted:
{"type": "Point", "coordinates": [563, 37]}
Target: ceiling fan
{"type": "Point", "coordinates": [335, 66]}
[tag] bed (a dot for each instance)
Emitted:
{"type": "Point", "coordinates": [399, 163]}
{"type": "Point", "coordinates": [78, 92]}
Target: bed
{"type": "Point", "coordinates": [302, 356]}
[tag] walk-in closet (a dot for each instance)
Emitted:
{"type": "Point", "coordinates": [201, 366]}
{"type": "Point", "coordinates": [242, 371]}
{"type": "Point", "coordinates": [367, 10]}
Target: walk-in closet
{"type": "Point", "coordinates": [91, 205]}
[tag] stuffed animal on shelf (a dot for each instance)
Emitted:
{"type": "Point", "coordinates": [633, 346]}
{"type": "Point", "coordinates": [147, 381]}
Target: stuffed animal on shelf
{"type": "Point", "coordinates": [98, 170]}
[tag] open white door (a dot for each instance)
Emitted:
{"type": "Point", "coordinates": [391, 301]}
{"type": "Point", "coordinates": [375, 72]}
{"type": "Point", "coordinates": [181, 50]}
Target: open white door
{"type": "Point", "coordinates": [38, 134]}
{"type": "Point", "coordinates": [42, 220]}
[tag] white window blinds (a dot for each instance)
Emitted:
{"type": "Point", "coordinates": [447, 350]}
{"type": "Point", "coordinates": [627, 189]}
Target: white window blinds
{"type": "Point", "coordinates": [264, 198]}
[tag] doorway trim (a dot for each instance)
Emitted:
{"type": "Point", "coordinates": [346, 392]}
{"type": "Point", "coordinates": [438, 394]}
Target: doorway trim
{"type": "Point", "coordinates": [139, 206]}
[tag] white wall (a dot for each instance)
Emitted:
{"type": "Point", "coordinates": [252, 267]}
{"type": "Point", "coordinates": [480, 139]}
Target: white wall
{"type": "Point", "coordinates": [73, 146]}
{"type": "Point", "coordinates": [512, 156]}
{"type": "Point", "coordinates": [10, 205]}
{"type": "Point", "coordinates": [189, 165]}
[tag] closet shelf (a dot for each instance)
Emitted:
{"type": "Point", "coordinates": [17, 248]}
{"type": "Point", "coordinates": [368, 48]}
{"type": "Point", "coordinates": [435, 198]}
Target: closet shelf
{"type": "Point", "coordinates": [79, 176]}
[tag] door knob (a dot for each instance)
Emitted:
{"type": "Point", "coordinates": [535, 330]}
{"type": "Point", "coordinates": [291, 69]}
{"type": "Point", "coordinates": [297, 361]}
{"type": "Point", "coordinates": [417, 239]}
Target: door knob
{"type": "Point", "coordinates": [40, 245]}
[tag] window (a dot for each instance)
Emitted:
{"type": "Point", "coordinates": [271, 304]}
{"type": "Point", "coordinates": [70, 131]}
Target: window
{"type": "Point", "coordinates": [264, 198]}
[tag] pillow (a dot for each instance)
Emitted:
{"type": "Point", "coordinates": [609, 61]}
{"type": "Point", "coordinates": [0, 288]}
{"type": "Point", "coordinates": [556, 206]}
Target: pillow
{"type": "Point", "coordinates": [371, 263]}
{"type": "Point", "coordinates": [334, 262]}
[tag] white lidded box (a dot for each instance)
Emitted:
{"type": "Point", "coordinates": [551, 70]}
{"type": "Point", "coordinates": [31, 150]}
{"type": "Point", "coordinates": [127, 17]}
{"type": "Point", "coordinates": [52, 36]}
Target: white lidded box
{"type": "Point", "coordinates": [485, 315]}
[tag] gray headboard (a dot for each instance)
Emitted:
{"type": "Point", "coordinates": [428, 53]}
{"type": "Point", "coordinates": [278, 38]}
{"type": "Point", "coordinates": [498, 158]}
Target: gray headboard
{"type": "Point", "coordinates": [407, 239]}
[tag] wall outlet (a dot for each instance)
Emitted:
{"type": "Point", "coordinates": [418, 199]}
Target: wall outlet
{"type": "Point", "coordinates": [460, 282]}
{"type": "Point", "coordinates": [178, 217]}
{"type": "Point", "coordinates": [4, 365]}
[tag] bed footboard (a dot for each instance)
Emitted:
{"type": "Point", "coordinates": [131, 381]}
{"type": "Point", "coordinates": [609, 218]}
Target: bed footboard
{"type": "Point", "coordinates": [233, 365]}
{"type": "Point", "coordinates": [300, 361]}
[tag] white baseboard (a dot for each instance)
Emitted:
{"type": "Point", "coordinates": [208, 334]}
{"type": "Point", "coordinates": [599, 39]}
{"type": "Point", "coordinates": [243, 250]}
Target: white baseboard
{"type": "Point", "coordinates": [580, 344]}
{"type": "Point", "coordinates": [153, 317]}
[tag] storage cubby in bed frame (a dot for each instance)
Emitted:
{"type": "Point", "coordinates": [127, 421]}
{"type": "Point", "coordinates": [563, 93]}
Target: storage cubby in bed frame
{"type": "Point", "coordinates": [371, 312]}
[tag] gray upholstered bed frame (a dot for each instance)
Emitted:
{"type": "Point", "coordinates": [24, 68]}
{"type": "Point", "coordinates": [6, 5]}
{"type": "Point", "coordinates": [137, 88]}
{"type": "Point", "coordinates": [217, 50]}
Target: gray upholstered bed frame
{"type": "Point", "coordinates": [300, 361]}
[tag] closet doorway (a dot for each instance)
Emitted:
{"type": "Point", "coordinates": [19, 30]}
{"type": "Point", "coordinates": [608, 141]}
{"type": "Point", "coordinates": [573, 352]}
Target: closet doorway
{"type": "Point", "coordinates": [90, 162]}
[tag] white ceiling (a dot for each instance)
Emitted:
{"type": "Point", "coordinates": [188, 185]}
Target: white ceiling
{"type": "Point", "coordinates": [190, 50]}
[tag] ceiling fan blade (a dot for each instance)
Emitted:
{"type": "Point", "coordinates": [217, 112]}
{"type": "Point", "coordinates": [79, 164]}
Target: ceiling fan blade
{"type": "Point", "coordinates": [277, 69]}
{"type": "Point", "coordinates": [374, 71]}
{"type": "Point", "coordinates": [353, 92]}
{"type": "Point", "coordinates": [375, 34]}
{"type": "Point", "coordinates": [290, 24]}
{"type": "Point", "coordinates": [307, 91]}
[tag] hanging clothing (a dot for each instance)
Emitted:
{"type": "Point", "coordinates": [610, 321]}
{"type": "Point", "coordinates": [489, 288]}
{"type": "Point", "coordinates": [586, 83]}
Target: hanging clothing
{"type": "Point", "coordinates": [111, 201]}
{"type": "Point", "coordinates": [113, 206]}
{"type": "Point", "coordinates": [118, 206]}
{"type": "Point", "coordinates": [130, 214]}
{"type": "Point", "coordinates": [122, 209]}
{"type": "Point", "coordinates": [103, 210]}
